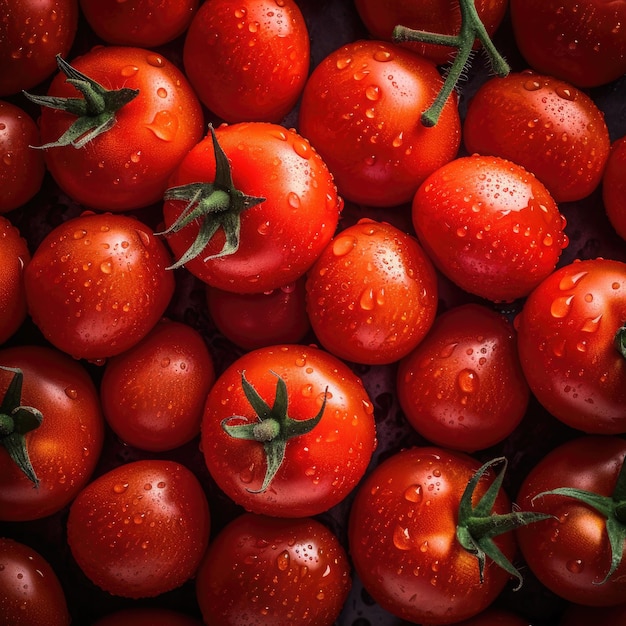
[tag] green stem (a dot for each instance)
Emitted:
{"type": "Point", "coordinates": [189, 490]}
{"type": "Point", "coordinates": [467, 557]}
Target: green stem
{"type": "Point", "coordinates": [620, 340]}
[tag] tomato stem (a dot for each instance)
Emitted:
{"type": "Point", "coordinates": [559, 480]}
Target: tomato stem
{"type": "Point", "coordinates": [620, 340]}
{"type": "Point", "coordinates": [472, 28]}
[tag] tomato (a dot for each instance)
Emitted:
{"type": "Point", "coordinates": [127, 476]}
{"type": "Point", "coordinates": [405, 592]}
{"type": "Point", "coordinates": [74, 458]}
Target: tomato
{"type": "Point", "coordinates": [569, 344]}
{"type": "Point", "coordinates": [490, 226]}
{"type": "Point", "coordinates": [97, 284]}
{"type": "Point", "coordinates": [252, 211]}
{"type": "Point", "coordinates": [140, 529]}
{"type": "Point", "coordinates": [32, 33]}
{"type": "Point", "coordinates": [153, 394]}
{"type": "Point", "coordinates": [361, 109]}
{"type": "Point", "coordinates": [580, 41]}
{"type": "Point", "coordinates": [147, 616]}
{"type": "Point", "coordinates": [14, 256]}
{"type": "Point", "coordinates": [31, 591]}
{"type": "Point", "coordinates": [142, 23]}
{"type": "Point", "coordinates": [21, 167]}
{"type": "Point", "coordinates": [64, 449]}
{"type": "Point", "coordinates": [571, 553]}
{"type": "Point", "coordinates": [548, 126]}
{"type": "Point", "coordinates": [288, 431]}
{"type": "Point", "coordinates": [264, 571]}
{"type": "Point", "coordinates": [372, 294]}
{"type": "Point", "coordinates": [123, 146]}
{"type": "Point", "coordinates": [463, 386]}
{"type": "Point", "coordinates": [248, 60]}
{"type": "Point", "coordinates": [614, 187]}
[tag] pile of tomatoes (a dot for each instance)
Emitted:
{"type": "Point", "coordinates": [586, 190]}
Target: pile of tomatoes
{"type": "Point", "coordinates": [286, 337]}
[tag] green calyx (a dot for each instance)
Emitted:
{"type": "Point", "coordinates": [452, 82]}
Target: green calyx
{"type": "Point", "coordinates": [477, 525]}
{"type": "Point", "coordinates": [212, 205]}
{"type": "Point", "coordinates": [273, 428]}
{"type": "Point", "coordinates": [620, 340]}
{"type": "Point", "coordinates": [471, 29]}
{"type": "Point", "coordinates": [612, 507]}
{"type": "Point", "coordinates": [15, 422]}
{"type": "Point", "coordinates": [95, 111]}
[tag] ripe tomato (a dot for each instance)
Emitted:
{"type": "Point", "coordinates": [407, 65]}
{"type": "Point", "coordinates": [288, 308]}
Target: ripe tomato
{"type": "Point", "coordinates": [263, 571]}
{"type": "Point", "coordinates": [97, 284]}
{"type": "Point", "coordinates": [361, 110]}
{"type": "Point", "coordinates": [551, 128]}
{"type": "Point", "coordinates": [614, 187]}
{"type": "Point", "coordinates": [248, 60]}
{"type": "Point", "coordinates": [147, 616]}
{"type": "Point", "coordinates": [140, 529]}
{"type": "Point", "coordinates": [490, 226]}
{"type": "Point", "coordinates": [65, 448]}
{"type": "Point", "coordinates": [571, 553]}
{"type": "Point", "coordinates": [288, 431]}
{"type": "Point", "coordinates": [463, 386]}
{"type": "Point", "coordinates": [580, 41]}
{"type": "Point", "coordinates": [571, 345]}
{"type": "Point", "coordinates": [372, 294]}
{"type": "Point", "coordinates": [30, 589]}
{"type": "Point", "coordinates": [153, 394]}
{"type": "Point", "coordinates": [259, 220]}
{"type": "Point", "coordinates": [121, 151]}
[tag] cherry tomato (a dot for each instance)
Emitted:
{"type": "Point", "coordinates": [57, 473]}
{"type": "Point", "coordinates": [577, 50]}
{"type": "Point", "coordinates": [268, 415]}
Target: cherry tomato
{"type": "Point", "coordinates": [361, 109]}
{"type": "Point", "coordinates": [571, 345]}
{"type": "Point", "coordinates": [614, 187]}
{"type": "Point", "coordinates": [140, 529]}
{"type": "Point", "coordinates": [266, 571]}
{"type": "Point", "coordinates": [97, 284]}
{"type": "Point", "coordinates": [288, 431]}
{"type": "Point", "coordinates": [490, 226]}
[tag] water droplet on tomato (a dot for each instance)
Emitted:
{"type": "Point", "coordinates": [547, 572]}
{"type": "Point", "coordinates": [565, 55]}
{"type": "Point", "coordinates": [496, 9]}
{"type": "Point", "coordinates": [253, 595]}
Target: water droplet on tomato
{"type": "Point", "coordinates": [467, 380]}
{"type": "Point", "coordinates": [575, 566]}
{"type": "Point", "coordinates": [532, 85]}
{"type": "Point", "coordinates": [293, 199]}
{"type": "Point", "coordinates": [569, 281]}
{"type": "Point", "coordinates": [343, 244]}
{"type": "Point", "coordinates": [164, 125]}
{"type": "Point", "coordinates": [382, 55]}
{"type": "Point", "coordinates": [283, 560]}
{"type": "Point", "coordinates": [402, 538]}
{"type": "Point", "coordinates": [366, 301]}
{"type": "Point", "coordinates": [343, 62]}
{"type": "Point", "coordinates": [156, 60]}
{"type": "Point", "coordinates": [106, 267]}
{"type": "Point", "coordinates": [129, 70]}
{"type": "Point", "coordinates": [561, 306]}
{"type": "Point", "coordinates": [447, 351]}
{"type": "Point", "coordinates": [372, 92]}
{"type": "Point", "coordinates": [414, 493]}
{"type": "Point", "coordinates": [120, 487]}
{"type": "Point", "coordinates": [591, 325]}
{"type": "Point", "coordinates": [71, 393]}
{"type": "Point", "coordinates": [302, 148]}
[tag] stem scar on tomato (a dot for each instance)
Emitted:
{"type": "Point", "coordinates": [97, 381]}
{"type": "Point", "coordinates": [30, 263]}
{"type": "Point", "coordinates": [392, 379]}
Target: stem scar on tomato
{"type": "Point", "coordinates": [274, 427]}
{"type": "Point", "coordinates": [472, 28]}
{"type": "Point", "coordinates": [213, 204]}
{"type": "Point", "coordinates": [17, 420]}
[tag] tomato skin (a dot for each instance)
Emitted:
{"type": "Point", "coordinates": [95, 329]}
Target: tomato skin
{"type": "Point", "coordinates": [402, 537]}
{"type": "Point", "coordinates": [266, 571]}
{"type": "Point", "coordinates": [387, 274]}
{"type": "Point", "coordinates": [97, 284]}
{"type": "Point", "coordinates": [571, 554]}
{"type": "Point", "coordinates": [146, 616]}
{"type": "Point", "coordinates": [140, 529]}
{"type": "Point", "coordinates": [64, 450]}
{"type": "Point", "coordinates": [463, 386]}
{"type": "Point", "coordinates": [546, 125]}
{"type": "Point", "coordinates": [566, 331]}
{"type": "Point", "coordinates": [614, 187]}
{"type": "Point", "coordinates": [320, 467]}
{"type": "Point", "coordinates": [31, 591]}
{"type": "Point", "coordinates": [257, 75]}
{"type": "Point", "coordinates": [153, 394]}
{"type": "Point", "coordinates": [128, 166]}
{"type": "Point", "coordinates": [368, 130]}
{"type": "Point", "coordinates": [490, 226]}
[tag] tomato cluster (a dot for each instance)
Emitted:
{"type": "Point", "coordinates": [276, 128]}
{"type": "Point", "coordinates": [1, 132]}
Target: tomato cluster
{"type": "Point", "coordinates": [312, 312]}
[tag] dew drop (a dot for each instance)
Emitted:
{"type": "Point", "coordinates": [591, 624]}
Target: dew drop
{"type": "Point", "coordinates": [383, 55]}
{"type": "Point", "coordinates": [372, 92]}
{"type": "Point", "coordinates": [155, 60]}
{"type": "Point", "coordinates": [164, 125]}
{"type": "Point", "coordinates": [414, 494]}
{"type": "Point", "coordinates": [343, 62]}
{"type": "Point", "coordinates": [569, 281]}
{"type": "Point", "coordinates": [120, 487]}
{"type": "Point", "coordinates": [561, 306]}
{"type": "Point", "coordinates": [283, 561]}
{"type": "Point", "coordinates": [162, 92]}
{"type": "Point", "coordinates": [71, 393]}
{"type": "Point", "coordinates": [293, 199]}
{"type": "Point", "coordinates": [367, 300]}
{"type": "Point", "coordinates": [591, 325]}
{"type": "Point", "coordinates": [575, 566]}
{"type": "Point", "coordinates": [467, 380]}
{"type": "Point", "coordinates": [343, 244]}
{"type": "Point", "coordinates": [532, 85]}
{"type": "Point", "coordinates": [402, 538]}
{"type": "Point", "coordinates": [106, 267]}
{"type": "Point", "coordinates": [302, 148]}
{"type": "Point", "coordinates": [79, 234]}
{"type": "Point", "coordinates": [129, 70]}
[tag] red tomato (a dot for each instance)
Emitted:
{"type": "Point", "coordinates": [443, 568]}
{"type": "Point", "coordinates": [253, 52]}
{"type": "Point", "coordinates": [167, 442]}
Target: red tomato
{"type": "Point", "coordinates": [247, 245]}
{"type": "Point", "coordinates": [30, 591]}
{"type": "Point", "coordinates": [14, 256]}
{"type": "Point", "coordinates": [140, 529]}
{"type": "Point", "coordinates": [303, 455]}
{"type": "Point", "coordinates": [97, 284]}
{"type": "Point", "coordinates": [372, 294]}
{"type": "Point", "coordinates": [32, 33]}
{"type": "Point", "coordinates": [126, 165]}
{"type": "Point", "coordinates": [551, 128]}
{"type": "Point", "coordinates": [265, 571]}
{"type": "Point", "coordinates": [21, 167]}
{"type": "Point", "coordinates": [145, 23]}
{"type": "Point", "coordinates": [153, 394]}
{"type": "Point", "coordinates": [463, 386]}
{"type": "Point", "coordinates": [571, 552]}
{"type": "Point", "coordinates": [569, 334]}
{"type": "Point", "coordinates": [248, 60]}
{"type": "Point", "coordinates": [361, 108]}
{"type": "Point", "coordinates": [580, 41]}
{"type": "Point", "coordinates": [490, 226]}
{"type": "Point", "coordinates": [65, 448]}
{"type": "Point", "coordinates": [614, 187]}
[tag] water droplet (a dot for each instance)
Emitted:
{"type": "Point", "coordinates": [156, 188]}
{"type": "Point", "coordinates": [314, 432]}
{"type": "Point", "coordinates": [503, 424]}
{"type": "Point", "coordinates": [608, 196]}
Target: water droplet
{"type": "Point", "coordinates": [532, 85]}
{"type": "Point", "coordinates": [155, 60]}
{"type": "Point", "coordinates": [283, 561]}
{"type": "Point", "coordinates": [591, 325]}
{"type": "Point", "coordinates": [575, 566]}
{"type": "Point", "coordinates": [414, 494]}
{"type": "Point", "coordinates": [120, 487]}
{"type": "Point", "coordinates": [383, 55]}
{"type": "Point", "coordinates": [447, 351]}
{"type": "Point", "coordinates": [293, 199]}
{"type": "Point", "coordinates": [71, 393]}
{"type": "Point", "coordinates": [343, 244]}
{"type": "Point", "coordinates": [366, 301]}
{"type": "Point", "coordinates": [106, 267]}
{"type": "Point", "coordinates": [129, 70]}
{"type": "Point", "coordinates": [79, 234]}
{"type": "Point", "coordinates": [302, 148]}
{"type": "Point", "coordinates": [561, 306]}
{"type": "Point", "coordinates": [343, 62]}
{"type": "Point", "coordinates": [164, 125]}
{"type": "Point", "coordinates": [372, 92]}
{"type": "Point", "coordinates": [467, 380]}
{"type": "Point", "coordinates": [402, 538]}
